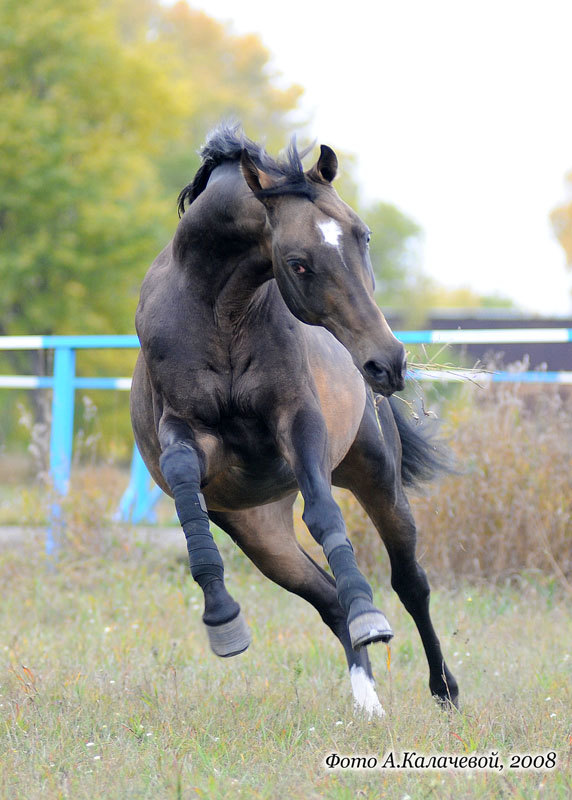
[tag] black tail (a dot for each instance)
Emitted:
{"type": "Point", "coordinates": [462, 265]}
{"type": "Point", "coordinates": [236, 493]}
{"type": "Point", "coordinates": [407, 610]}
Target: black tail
{"type": "Point", "coordinates": [423, 458]}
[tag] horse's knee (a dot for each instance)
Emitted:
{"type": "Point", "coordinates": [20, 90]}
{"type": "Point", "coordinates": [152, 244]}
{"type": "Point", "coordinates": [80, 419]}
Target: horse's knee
{"type": "Point", "coordinates": [322, 517]}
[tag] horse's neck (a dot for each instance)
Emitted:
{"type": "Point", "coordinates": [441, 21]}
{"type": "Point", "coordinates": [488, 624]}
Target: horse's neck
{"type": "Point", "coordinates": [236, 296]}
{"type": "Point", "coordinates": [224, 246]}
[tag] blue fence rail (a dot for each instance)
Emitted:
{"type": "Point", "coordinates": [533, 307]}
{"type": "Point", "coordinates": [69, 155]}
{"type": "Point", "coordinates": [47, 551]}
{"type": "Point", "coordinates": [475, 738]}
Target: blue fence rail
{"type": "Point", "coordinates": [138, 501]}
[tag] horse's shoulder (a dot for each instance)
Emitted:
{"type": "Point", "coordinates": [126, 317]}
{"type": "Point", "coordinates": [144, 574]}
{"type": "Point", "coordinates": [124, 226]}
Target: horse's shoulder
{"type": "Point", "coordinates": [156, 281]}
{"type": "Point", "coordinates": [163, 318]}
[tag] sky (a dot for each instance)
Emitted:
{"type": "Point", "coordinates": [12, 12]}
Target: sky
{"type": "Point", "coordinates": [458, 112]}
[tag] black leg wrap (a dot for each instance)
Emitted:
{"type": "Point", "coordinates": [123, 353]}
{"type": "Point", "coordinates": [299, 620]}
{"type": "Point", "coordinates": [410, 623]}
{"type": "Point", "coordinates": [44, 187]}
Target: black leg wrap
{"type": "Point", "coordinates": [365, 623]}
{"type": "Point", "coordinates": [179, 464]}
{"type": "Point", "coordinates": [204, 557]}
{"type": "Point", "coordinates": [227, 631]}
{"type": "Point", "coordinates": [350, 583]}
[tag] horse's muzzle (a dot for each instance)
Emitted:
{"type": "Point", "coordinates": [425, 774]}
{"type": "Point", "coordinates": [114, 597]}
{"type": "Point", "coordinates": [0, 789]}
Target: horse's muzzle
{"type": "Point", "coordinates": [385, 378]}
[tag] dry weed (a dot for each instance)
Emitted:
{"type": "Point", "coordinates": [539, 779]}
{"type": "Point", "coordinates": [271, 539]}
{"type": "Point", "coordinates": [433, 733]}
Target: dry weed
{"type": "Point", "coordinates": [509, 507]}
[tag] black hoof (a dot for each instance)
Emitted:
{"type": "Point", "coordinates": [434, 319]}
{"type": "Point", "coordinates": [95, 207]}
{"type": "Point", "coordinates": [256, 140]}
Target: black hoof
{"type": "Point", "coordinates": [446, 695]}
{"type": "Point", "coordinates": [447, 703]}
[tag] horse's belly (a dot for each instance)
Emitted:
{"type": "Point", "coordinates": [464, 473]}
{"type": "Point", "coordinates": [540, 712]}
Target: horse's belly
{"type": "Point", "coordinates": [246, 468]}
{"type": "Point", "coordinates": [237, 487]}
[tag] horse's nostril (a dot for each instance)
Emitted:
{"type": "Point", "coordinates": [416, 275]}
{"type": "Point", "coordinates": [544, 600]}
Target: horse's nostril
{"type": "Point", "coordinates": [385, 379]}
{"type": "Point", "coordinates": [375, 370]}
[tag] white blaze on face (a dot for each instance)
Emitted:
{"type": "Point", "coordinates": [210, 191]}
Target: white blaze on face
{"type": "Point", "coordinates": [365, 696]}
{"type": "Point", "coordinates": [331, 232]}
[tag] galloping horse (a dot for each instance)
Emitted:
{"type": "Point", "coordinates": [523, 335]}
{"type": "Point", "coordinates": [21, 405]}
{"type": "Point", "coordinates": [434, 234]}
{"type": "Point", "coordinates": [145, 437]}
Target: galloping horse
{"type": "Point", "coordinates": [266, 369]}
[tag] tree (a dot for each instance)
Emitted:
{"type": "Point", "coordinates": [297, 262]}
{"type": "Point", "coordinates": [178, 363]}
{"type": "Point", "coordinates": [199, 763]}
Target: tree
{"type": "Point", "coordinates": [394, 251]}
{"type": "Point", "coordinates": [215, 75]}
{"type": "Point", "coordinates": [103, 108]}
{"type": "Point", "coordinates": [99, 127]}
{"type": "Point", "coordinates": [79, 204]}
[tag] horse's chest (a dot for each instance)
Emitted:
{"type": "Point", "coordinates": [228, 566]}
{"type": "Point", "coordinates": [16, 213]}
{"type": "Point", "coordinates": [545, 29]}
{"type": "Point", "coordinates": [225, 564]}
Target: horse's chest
{"type": "Point", "coordinates": [216, 402]}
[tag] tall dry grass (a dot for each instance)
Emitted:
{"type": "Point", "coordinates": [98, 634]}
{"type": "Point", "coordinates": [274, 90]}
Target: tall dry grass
{"type": "Point", "coordinates": [508, 508]}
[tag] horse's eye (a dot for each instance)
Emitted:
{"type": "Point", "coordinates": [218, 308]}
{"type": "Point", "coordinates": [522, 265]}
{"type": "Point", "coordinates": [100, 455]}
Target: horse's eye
{"type": "Point", "coordinates": [297, 266]}
{"type": "Point", "coordinates": [368, 237]}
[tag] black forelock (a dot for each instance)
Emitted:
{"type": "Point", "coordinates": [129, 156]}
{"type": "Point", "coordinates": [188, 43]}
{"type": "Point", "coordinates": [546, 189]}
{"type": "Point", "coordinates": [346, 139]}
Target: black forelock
{"type": "Point", "coordinates": [226, 143]}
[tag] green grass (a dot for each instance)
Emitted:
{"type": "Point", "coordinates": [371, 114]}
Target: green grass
{"type": "Point", "coordinates": [108, 688]}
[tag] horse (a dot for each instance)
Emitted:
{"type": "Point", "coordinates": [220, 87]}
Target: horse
{"type": "Point", "coordinates": [266, 369]}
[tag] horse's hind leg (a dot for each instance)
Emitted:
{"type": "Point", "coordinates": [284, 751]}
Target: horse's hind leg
{"type": "Point", "coordinates": [266, 535]}
{"type": "Point", "coordinates": [182, 469]}
{"type": "Point", "coordinates": [371, 471]}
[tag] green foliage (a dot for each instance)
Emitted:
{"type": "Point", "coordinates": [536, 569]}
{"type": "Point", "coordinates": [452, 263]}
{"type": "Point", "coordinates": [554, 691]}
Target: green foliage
{"type": "Point", "coordinates": [102, 110]}
{"type": "Point", "coordinates": [214, 75]}
{"type": "Point", "coordinates": [79, 208]}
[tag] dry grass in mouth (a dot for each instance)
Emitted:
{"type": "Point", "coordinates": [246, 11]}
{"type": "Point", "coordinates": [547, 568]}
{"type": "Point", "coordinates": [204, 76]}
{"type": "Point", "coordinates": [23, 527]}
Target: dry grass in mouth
{"type": "Point", "coordinates": [436, 367]}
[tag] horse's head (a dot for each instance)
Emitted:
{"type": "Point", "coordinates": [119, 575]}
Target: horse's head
{"type": "Point", "coordinates": [322, 266]}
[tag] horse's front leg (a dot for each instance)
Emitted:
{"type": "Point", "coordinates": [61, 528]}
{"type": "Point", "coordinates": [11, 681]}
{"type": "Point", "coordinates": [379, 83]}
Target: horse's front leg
{"type": "Point", "coordinates": [303, 440]}
{"type": "Point", "coordinates": [183, 467]}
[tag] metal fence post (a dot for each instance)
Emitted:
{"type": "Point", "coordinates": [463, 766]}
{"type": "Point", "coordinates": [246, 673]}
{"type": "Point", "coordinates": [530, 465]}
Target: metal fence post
{"type": "Point", "coordinates": [139, 499]}
{"type": "Point", "coordinates": [61, 439]}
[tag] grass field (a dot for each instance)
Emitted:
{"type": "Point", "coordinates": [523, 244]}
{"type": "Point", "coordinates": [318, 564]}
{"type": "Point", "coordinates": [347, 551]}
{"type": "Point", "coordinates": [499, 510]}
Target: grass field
{"type": "Point", "coordinates": [108, 689]}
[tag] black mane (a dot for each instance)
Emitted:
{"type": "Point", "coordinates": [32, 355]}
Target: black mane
{"type": "Point", "coordinates": [226, 143]}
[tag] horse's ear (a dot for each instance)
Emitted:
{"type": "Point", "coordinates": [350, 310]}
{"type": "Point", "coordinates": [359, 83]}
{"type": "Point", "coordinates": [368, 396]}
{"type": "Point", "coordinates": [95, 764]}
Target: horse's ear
{"type": "Point", "coordinates": [256, 178]}
{"type": "Point", "coordinates": [326, 168]}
